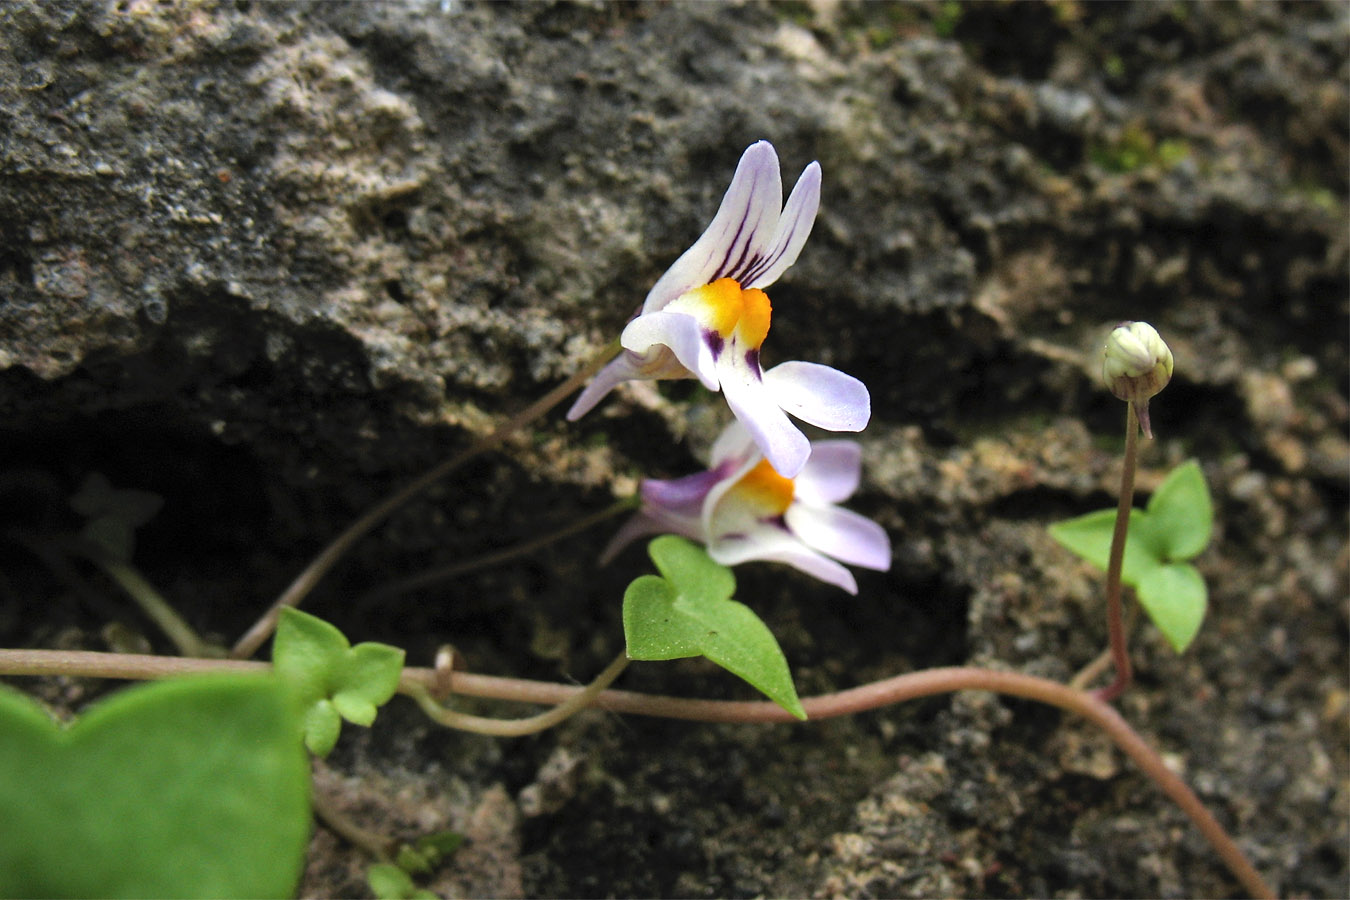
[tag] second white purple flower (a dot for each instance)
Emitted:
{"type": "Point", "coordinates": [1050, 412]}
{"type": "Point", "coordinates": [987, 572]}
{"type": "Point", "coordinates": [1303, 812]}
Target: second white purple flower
{"type": "Point", "coordinates": [742, 509]}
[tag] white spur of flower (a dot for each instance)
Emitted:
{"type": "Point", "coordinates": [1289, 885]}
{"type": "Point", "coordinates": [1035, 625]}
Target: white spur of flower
{"type": "Point", "coordinates": [742, 509]}
{"type": "Point", "coordinates": [708, 315]}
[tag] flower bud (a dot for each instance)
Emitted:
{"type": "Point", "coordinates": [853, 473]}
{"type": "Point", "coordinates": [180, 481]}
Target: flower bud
{"type": "Point", "coordinates": [1136, 364]}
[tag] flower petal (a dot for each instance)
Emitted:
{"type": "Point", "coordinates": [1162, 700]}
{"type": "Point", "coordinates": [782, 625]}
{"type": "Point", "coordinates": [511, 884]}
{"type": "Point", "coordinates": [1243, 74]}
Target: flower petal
{"type": "Point", "coordinates": [753, 404]}
{"type": "Point", "coordinates": [683, 496]}
{"type": "Point", "coordinates": [721, 513]}
{"type": "Point", "coordinates": [842, 534]}
{"type": "Point", "coordinates": [734, 443]}
{"type": "Point", "coordinates": [794, 226]}
{"type": "Point", "coordinates": [831, 474]}
{"type": "Point", "coordinates": [668, 507]}
{"type": "Point", "coordinates": [820, 395]}
{"type": "Point", "coordinates": [682, 334]}
{"type": "Point", "coordinates": [624, 367]}
{"type": "Point", "coordinates": [772, 544]}
{"type": "Point", "coordinates": [641, 525]}
{"type": "Point", "coordinates": [744, 228]}
{"type": "Point", "coordinates": [636, 527]}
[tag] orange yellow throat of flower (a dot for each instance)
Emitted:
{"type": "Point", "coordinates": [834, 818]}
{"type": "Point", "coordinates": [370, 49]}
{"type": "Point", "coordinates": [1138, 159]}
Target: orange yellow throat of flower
{"type": "Point", "coordinates": [730, 314]}
{"type": "Point", "coordinates": [764, 490]}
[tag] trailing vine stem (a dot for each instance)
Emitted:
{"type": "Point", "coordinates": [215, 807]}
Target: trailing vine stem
{"type": "Point", "coordinates": [580, 699]}
{"type": "Point", "coordinates": [329, 557]}
{"type": "Point", "coordinates": [426, 682]}
{"type": "Point", "coordinates": [454, 570]}
{"type": "Point", "coordinates": [430, 686]}
{"type": "Point", "coordinates": [153, 604]}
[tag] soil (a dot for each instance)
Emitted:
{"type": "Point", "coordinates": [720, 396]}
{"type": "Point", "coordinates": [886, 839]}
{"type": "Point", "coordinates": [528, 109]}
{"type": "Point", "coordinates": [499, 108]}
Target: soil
{"type": "Point", "coordinates": [270, 261]}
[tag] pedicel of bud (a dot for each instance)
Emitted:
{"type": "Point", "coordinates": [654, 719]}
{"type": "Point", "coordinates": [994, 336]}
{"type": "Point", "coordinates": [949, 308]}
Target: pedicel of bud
{"type": "Point", "coordinates": [1136, 364]}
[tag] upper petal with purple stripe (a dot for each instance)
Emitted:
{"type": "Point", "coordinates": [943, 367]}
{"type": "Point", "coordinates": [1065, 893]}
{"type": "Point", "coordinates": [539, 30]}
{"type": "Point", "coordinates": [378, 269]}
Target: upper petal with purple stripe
{"type": "Point", "coordinates": [753, 238]}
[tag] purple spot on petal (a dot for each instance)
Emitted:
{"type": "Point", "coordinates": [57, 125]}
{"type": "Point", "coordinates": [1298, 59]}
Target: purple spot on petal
{"type": "Point", "coordinates": [714, 342]}
{"type": "Point", "coordinates": [752, 360]}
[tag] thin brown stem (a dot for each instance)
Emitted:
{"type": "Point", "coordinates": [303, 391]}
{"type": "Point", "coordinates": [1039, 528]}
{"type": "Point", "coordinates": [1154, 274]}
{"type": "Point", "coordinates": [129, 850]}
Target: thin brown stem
{"type": "Point", "coordinates": [133, 666]}
{"type": "Point", "coordinates": [444, 573]}
{"type": "Point", "coordinates": [153, 604]}
{"type": "Point", "coordinates": [55, 553]}
{"type": "Point", "coordinates": [1089, 673]}
{"type": "Point", "coordinates": [1115, 624]}
{"type": "Point", "coordinates": [582, 698]}
{"type": "Point", "coordinates": [910, 686]}
{"type": "Point", "coordinates": [319, 566]}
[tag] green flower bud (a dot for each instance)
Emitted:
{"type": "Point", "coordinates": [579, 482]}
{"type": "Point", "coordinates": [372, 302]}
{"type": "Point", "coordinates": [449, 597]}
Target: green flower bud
{"type": "Point", "coordinates": [1136, 364]}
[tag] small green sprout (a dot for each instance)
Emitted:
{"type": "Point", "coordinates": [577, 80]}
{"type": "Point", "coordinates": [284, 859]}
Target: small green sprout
{"type": "Point", "coordinates": [112, 515]}
{"type": "Point", "coordinates": [687, 611]}
{"type": "Point", "coordinates": [948, 17]}
{"type": "Point", "coordinates": [389, 882]}
{"type": "Point", "coordinates": [1175, 528]}
{"type": "Point", "coordinates": [332, 679]}
{"type": "Point", "coordinates": [426, 854]}
{"type": "Point", "coordinates": [1136, 148]}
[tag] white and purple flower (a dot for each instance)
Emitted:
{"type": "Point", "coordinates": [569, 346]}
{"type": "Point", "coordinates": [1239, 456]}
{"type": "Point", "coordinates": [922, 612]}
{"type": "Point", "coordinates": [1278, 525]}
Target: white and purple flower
{"type": "Point", "coordinates": [742, 509]}
{"type": "Point", "coordinates": [708, 315]}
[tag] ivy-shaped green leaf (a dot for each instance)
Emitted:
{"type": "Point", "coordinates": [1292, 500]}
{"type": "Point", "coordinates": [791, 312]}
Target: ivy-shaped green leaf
{"type": "Point", "coordinates": [688, 611]}
{"type": "Point", "coordinates": [113, 514]}
{"type": "Point", "coordinates": [1176, 527]}
{"type": "Point", "coordinates": [390, 882]}
{"type": "Point", "coordinates": [691, 571]}
{"type": "Point", "coordinates": [332, 679]}
{"type": "Point", "coordinates": [422, 857]}
{"type": "Point", "coordinates": [191, 787]}
{"type": "Point", "coordinates": [1089, 536]}
{"type": "Point", "coordinates": [1180, 515]}
{"type": "Point", "coordinates": [1175, 598]}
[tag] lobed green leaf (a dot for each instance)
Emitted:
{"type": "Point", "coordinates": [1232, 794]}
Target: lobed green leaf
{"type": "Point", "coordinates": [322, 724]}
{"type": "Point", "coordinates": [731, 635]}
{"type": "Point", "coordinates": [389, 882]}
{"type": "Point", "coordinates": [688, 612]}
{"type": "Point", "coordinates": [332, 679]}
{"type": "Point", "coordinates": [113, 514]}
{"type": "Point", "coordinates": [1089, 536]}
{"type": "Point", "coordinates": [690, 570]}
{"type": "Point", "coordinates": [652, 629]}
{"type": "Point", "coordinates": [193, 787]}
{"type": "Point", "coordinates": [1175, 598]}
{"type": "Point", "coordinates": [370, 675]}
{"type": "Point", "coordinates": [1176, 526]}
{"type": "Point", "coordinates": [1180, 515]}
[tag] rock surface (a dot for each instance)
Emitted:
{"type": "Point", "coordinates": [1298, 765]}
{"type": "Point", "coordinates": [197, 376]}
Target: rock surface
{"type": "Point", "coordinates": [270, 261]}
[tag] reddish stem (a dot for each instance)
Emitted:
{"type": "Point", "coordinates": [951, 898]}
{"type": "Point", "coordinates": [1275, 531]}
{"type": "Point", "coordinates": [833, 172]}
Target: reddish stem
{"type": "Point", "coordinates": [1115, 620]}
{"type": "Point", "coordinates": [899, 688]}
